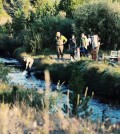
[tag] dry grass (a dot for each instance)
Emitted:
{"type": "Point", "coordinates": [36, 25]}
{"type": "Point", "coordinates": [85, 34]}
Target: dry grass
{"type": "Point", "coordinates": [23, 120]}
{"type": "Point", "coordinates": [3, 86]}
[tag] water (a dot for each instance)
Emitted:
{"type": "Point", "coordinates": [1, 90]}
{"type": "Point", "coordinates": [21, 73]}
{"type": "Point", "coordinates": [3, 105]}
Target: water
{"type": "Point", "coordinates": [101, 111]}
{"type": "Point", "coordinates": [9, 60]}
{"type": "Point", "coordinates": [18, 77]}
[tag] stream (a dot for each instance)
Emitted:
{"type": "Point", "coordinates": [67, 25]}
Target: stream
{"type": "Point", "coordinates": [100, 111]}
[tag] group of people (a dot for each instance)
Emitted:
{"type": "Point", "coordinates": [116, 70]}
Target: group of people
{"type": "Point", "coordinates": [87, 45]}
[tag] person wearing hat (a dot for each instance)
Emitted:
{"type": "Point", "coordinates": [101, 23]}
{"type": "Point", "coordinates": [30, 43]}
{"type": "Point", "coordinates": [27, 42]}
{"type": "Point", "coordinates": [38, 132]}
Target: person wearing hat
{"type": "Point", "coordinates": [60, 41]}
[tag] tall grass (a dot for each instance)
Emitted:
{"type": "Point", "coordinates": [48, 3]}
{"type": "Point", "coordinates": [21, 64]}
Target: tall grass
{"type": "Point", "coordinates": [21, 118]}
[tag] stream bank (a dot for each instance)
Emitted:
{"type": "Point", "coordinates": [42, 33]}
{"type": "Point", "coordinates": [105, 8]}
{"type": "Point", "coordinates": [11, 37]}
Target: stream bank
{"type": "Point", "coordinates": [100, 109]}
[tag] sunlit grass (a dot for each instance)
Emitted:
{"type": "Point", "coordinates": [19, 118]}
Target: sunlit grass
{"type": "Point", "coordinates": [3, 86]}
{"type": "Point", "coordinates": [22, 119]}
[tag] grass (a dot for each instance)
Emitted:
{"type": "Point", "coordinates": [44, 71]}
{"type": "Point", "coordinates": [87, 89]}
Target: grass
{"type": "Point", "coordinates": [24, 120]}
{"type": "Point", "coordinates": [21, 118]}
{"type": "Point", "coordinates": [83, 73]}
{"type": "Point", "coordinates": [3, 86]}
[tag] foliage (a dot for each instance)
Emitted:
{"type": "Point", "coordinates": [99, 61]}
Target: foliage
{"type": "Point", "coordinates": [30, 97]}
{"type": "Point", "coordinates": [7, 42]}
{"type": "Point", "coordinates": [36, 30]}
{"type": "Point", "coordinates": [46, 7]}
{"type": "Point", "coordinates": [24, 6]}
{"type": "Point", "coordinates": [32, 42]}
{"type": "Point", "coordinates": [41, 32]}
{"type": "Point", "coordinates": [19, 21]}
{"type": "Point", "coordinates": [48, 51]}
{"type": "Point", "coordinates": [18, 51]}
{"type": "Point", "coordinates": [69, 6]}
{"type": "Point", "coordinates": [3, 72]}
{"type": "Point", "coordinates": [99, 78]}
{"type": "Point", "coordinates": [101, 17]}
{"type": "Point", "coordinates": [1, 7]}
{"type": "Point", "coordinates": [85, 73]}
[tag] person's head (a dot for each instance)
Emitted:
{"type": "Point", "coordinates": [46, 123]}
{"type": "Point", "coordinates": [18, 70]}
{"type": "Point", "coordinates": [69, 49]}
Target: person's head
{"type": "Point", "coordinates": [82, 35]}
{"type": "Point", "coordinates": [58, 34]}
{"type": "Point", "coordinates": [73, 36]}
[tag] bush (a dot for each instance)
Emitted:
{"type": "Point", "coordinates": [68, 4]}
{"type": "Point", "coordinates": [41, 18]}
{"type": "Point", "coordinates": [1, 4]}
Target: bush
{"type": "Point", "coordinates": [32, 42]}
{"type": "Point", "coordinates": [18, 51]}
{"type": "Point", "coordinates": [41, 33]}
{"type": "Point", "coordinates": [48, 26]}
{"type": "Point", "coordinates": [99, 78]}
{"type": "Point", "coordinates": [69, 6]}
{"type": "Point", "coordinates": [101, 17]}
{"type": "Point", "coordinates": [3, 72]}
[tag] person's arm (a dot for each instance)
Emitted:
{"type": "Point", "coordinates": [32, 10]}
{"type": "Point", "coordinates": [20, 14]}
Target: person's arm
{"type": "Point", "coordinates": [31, 62]}
{"type": "Point", "coordinates": [64, 39]}
{"type": "Point", "coordinates": [27, 64]}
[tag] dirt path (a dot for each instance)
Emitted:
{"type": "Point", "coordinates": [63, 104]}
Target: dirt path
{"type": "Point", "coordinates": [66, 57]}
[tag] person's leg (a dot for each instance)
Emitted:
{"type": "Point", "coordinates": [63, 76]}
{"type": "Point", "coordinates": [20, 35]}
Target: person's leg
{"type": "Point", "coordinates": [28, 69]}
{"type": "Point", "coordinates": [92, 54]}
{"type": "Point", "coordinates": [27, 64]}
{"type": "Point", "coordinates": [31, 63]}
{"type": "Point", "coordinates": [72, 54]}
{"type": "Point", "coordinates": [61, 51]}
{"type": "Point", "coordinates": [74, 51]}
{"type": "Point", "coordinates": [58, 52]}
{"type": "Point", "coordinates": [78, 53]}
{"type": "Point", "coordinates": [97, 51]}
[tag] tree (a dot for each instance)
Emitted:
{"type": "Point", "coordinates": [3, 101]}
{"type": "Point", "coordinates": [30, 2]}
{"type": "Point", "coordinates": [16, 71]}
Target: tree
{"type": "Point", "coordinates": [1, 6]}
{"type": "Point", "coordinates": [101, 17]}
{"type": "Point", "coordinates": [69, 6]}
{"type": "Point", "coordinates": [45, 7]}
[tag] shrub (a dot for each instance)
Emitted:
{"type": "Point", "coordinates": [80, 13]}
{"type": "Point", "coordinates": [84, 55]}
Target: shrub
{"type": "Point", "coordinates": [41, 32]}
{"type": "Point", "coordinates": [69, 6]}
{"type": "Point", "coordinates": [3, 72]}
{"type": "Point", "coordinates": [32, 42]}
{"type": "Point", "coordinates": [18, 51]}
{"type": "Point", "coordinates": [99, 78]}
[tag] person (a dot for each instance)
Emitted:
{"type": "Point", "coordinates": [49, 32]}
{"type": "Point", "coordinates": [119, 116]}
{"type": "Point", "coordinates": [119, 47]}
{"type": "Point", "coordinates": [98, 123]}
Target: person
{"type": "Point", "coordinates": [60, 41]}
{"type": "Point", "coordinates": [83, 45]}
{"type": "Point", "coordinates": [95, 40]}
{"type": "Point", "coordinates": [89, 44]}
{"type": "Point", "coordinates": [72, 47]}
{"type": "Point", "coordinates": [29, 62]}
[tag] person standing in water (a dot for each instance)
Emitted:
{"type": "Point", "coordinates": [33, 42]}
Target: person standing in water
{"type": "Point", "coordinates": [29, 62]}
